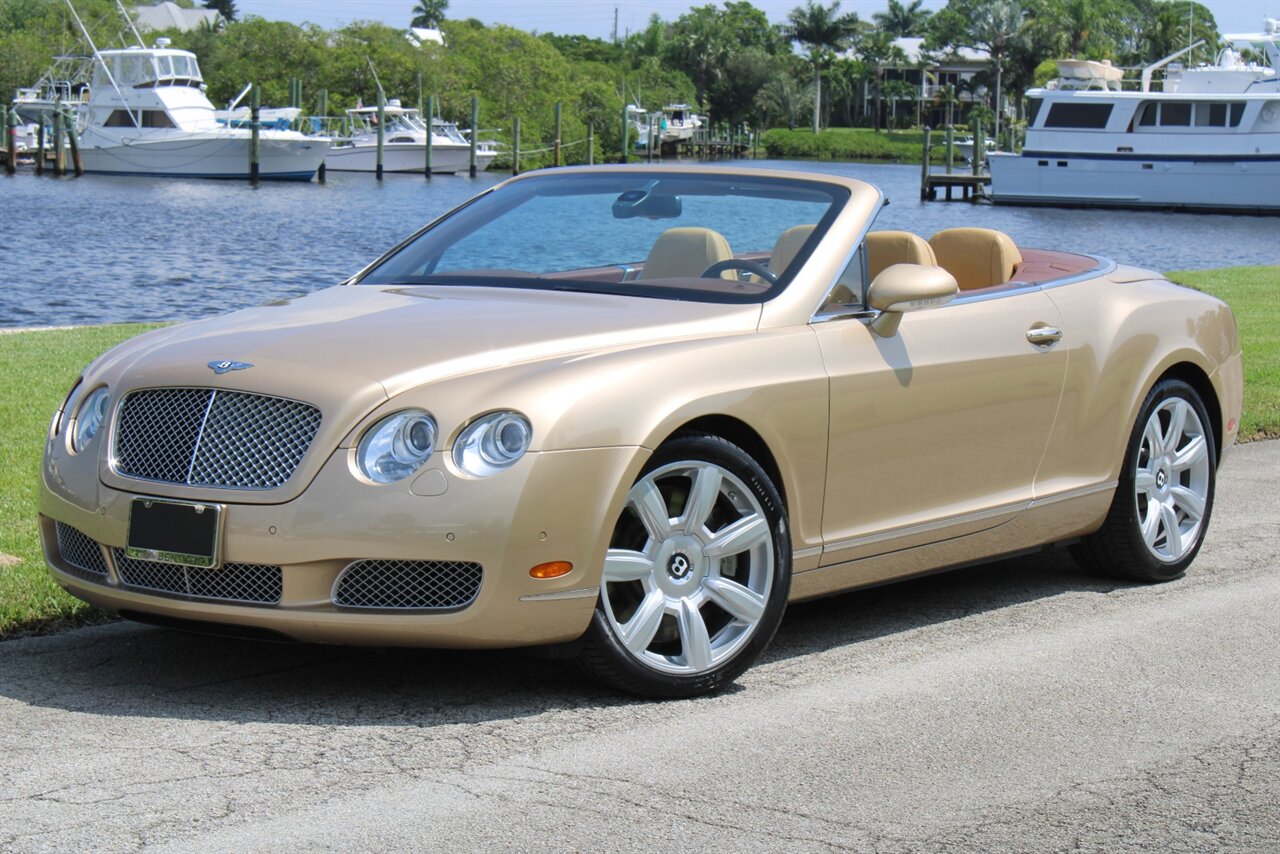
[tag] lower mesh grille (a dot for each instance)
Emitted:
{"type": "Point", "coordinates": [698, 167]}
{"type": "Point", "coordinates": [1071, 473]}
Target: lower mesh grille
{"type": "Point", "coordinates": [252, 583]}
{"type": "Point", "coordinates": [408, 584]}
{"type": "Point", "coordinates": [81, 553]}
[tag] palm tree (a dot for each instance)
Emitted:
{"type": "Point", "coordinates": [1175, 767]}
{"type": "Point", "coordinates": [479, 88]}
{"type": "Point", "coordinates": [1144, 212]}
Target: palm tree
{"type": "Point", "coordinates": [996, 27]}
{"type": "Point", "coordinates": [880, 54]}
{"type": "Point", "coordinates": [822, 30]}
{"type": "Point", "coordinates": [783, 98]}
{"type": "Point", "coordinates": [901, 19]}
{"type": "Point", "coordinates": [429, 13]}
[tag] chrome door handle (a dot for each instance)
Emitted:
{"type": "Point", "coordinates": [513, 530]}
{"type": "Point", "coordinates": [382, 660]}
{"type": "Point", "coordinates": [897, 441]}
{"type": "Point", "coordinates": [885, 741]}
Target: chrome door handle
{"type": "Point", "coordinates": [1044, 336]}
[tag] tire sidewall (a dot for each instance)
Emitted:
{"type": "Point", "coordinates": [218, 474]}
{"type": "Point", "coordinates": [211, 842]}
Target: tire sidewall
{"type": "Point", "coordinates": [633, 674]}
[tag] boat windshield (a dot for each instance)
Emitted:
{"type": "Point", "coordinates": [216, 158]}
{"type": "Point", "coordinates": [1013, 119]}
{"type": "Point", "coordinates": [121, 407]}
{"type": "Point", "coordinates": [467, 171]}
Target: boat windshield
{"type": "Point", "coordinates": [139, 69]}
{"type": "Point", "coordinates": [703, 237]}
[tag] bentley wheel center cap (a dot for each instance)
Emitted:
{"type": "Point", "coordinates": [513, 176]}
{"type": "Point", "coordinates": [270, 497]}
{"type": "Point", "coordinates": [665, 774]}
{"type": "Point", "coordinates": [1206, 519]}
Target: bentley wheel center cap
{"type": "Point", "coordinates": [1160, 480]}
{"type": "Point", "coordinates": [679, 566]}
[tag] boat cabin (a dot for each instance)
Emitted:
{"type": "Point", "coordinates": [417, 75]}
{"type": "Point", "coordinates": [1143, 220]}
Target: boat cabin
{"type": "Point", "coordinates": [146, 68]}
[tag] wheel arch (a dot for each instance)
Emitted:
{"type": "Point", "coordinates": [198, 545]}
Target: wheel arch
{"type": "Point", "coordinates": [1194, 376]}
{"type": "Point", "coordinates": [741, 434]}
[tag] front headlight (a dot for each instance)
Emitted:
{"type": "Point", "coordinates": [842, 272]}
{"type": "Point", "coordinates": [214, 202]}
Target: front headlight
{"type": "Point", "coordinates": [492, 444]}
{"type": "Point", "coordinates": [397, 446]}
{"type": "Point", "coordinates": [89, 418]}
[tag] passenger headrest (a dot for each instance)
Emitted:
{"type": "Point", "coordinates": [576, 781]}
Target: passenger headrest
{"type": "Point", "coordinates": [977, 257]}
{"type": "Point", "coordinates": [684, 253]}
{"type": "Point", "coordinates": [886, 248]}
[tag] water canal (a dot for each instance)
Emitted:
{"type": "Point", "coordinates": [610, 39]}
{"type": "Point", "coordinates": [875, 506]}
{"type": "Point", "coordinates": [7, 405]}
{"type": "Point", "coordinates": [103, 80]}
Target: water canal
{"type": "Point", "coordinates": [105, 249]}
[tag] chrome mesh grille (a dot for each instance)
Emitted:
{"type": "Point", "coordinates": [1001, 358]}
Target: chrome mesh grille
{"type": "Point", "coordinates": [81, 553]}
{"type": "Point", "coordinates": [210, 437]}
{"type": "Point", "coordinates": [251, 583]}
{"type": "Point", "coordinates": [408, 584]}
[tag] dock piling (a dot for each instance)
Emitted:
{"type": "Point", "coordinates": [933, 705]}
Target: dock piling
{"type": "Point", "coordinates": [979, 147]}
{"type": "Point", "coordinates": [10, 125]}
{"type": "Point", "coordinates": [558, 154]}
{"type": "Point", "coordinates": [69, 124]}
{"type": "Point", "coordinates": [475, 132]}
{"type": "Point", "coordinates": [924, 164]}
{"type": "Point", "coordinates": [515, 146]}
{"type": "Point", "coordinates": [58, 164]}
{"type": "Point", "coordinates": [40, 147]}
{"type": "Point", "coordinates": [382, 130]}
{"type": "Point", "coordinates": [951, 148]}
{"type": "Point", "coordinates": [591, 145]}
{"type": "Point", "coordinates": [324, 113]}
{"type": "Point", "coordinates": [431, 111]}
{"type": "Point", "coordinates": [623, 157]}
{"type": "Point", "coordinates": [255, 133]}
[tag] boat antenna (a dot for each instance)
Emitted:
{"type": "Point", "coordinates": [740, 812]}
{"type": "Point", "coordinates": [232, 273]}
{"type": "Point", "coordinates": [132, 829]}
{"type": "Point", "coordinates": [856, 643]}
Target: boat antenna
{"type": "Point", "coordinates": [129, 21]}
{"type": "Point", "coordinates": [85, 32]}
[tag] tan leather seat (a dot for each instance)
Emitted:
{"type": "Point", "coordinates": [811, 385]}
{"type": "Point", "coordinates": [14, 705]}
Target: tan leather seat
{"type": "Point", "coordinates": [977, 257]}
{"type": "Point", "coordinates": [886, 248]}
{"type": "Point", "coordinates": [681, 253]}
{"type": "Point", "coordinates": [788, 247]}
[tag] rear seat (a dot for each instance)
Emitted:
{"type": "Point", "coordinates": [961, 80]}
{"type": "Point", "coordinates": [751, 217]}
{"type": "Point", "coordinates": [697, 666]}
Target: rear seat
{"type": "Point", "coordinates": [977, 257]}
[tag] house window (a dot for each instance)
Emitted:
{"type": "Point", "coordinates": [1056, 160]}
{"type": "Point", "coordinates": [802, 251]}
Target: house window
{"type": "Point", "coordinates": [1072, 115]}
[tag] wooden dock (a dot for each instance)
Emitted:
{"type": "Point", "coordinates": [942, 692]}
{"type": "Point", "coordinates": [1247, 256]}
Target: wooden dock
{"type": "Point", "coordinates": [972, 184]}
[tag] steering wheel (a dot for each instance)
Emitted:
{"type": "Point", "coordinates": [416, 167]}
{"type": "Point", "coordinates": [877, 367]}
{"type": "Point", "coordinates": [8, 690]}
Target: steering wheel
{"type": "Point", "coordinates": [714, 271]}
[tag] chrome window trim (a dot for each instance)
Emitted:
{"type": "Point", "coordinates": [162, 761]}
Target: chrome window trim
{"type": "Point", "coordinates": [816, 314]}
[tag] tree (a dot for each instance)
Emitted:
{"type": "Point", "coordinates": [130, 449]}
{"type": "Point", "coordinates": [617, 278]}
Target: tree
{"type": "Point", "coordinates": [879, 53]}
{"type": "Point", "coordinates": [822, 30]}
{"type": "Point", "coordinates": [698, 42]}
{"type": "Point", "coordinates": [746, 72]}
{"type": "Point", "coordinates": [996, 26]}
{"type": "Point", "coordinates": [901, 19]}
{"type": "Point", "coordinates": [225, 8]}
{"type": "Point", "coordinates": [429, 13]}
{"type": "Point", "coordinates": [782, 97]}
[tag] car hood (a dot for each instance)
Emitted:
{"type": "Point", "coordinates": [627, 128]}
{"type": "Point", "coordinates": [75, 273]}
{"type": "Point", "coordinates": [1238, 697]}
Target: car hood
{"type": "Point", "coordinates": [403, 337]}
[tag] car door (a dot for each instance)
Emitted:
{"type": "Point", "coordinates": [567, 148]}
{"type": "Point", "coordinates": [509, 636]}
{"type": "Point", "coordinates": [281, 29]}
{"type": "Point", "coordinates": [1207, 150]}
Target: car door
{"type": "Point", "coordinates": [937, 430]}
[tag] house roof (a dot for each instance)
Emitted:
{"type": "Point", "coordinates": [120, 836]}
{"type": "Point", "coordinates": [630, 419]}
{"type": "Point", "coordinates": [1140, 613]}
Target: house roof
{"type": "Point", "coordinates": [168, 16]}
{"type": "Point", "coordinates": [913, 47]}
{"type": "Point", "coordinates": [418, 35]}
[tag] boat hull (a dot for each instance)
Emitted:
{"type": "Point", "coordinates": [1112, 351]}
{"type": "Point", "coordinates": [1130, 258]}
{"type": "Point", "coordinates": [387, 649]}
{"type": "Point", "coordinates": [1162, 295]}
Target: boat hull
{"type": "Point", "coordinates": [1205, 183]}
{"type": "Point", "coordinates": [195, 157]}
{"type": "Point", "coordinates": [405, 157]}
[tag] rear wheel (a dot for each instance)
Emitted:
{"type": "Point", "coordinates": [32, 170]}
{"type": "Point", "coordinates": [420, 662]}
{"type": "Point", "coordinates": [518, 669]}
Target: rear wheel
{"type": "Point", "coordinates": [697, 573]}
{"type": "Point", "coordinates": [1164, 499]}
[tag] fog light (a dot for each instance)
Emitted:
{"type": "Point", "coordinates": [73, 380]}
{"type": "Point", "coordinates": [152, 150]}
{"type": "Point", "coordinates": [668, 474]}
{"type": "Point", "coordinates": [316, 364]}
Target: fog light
{"type": "Point", "coordinates": [554, 569]}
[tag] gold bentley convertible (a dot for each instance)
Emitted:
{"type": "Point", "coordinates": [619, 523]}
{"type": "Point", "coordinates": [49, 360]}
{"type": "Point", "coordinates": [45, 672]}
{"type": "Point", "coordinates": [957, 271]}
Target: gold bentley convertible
{"type": "Point", "coordinates": [627, 414]}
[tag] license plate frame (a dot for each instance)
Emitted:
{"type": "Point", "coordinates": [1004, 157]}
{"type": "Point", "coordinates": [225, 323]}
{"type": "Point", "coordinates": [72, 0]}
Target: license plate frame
{"type": "Point", "coordinates": [182, 533]}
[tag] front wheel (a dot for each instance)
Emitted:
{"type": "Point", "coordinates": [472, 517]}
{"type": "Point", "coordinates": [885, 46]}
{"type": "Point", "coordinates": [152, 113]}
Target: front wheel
{"type": "Point", "coordinates": [1161, 509]}
{"type": "Point", "coordinates": [697, 573]}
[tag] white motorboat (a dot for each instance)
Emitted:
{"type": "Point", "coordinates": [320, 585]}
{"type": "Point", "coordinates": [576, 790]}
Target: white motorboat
{"type": "Point", "coordinates": [404, 144]}
{"type": "Point", "coordinates": [147, 114]}
{"type": "Point", "coordinates": [678, 123]}
{"type": "Point", "coordinates": [1209, 139]}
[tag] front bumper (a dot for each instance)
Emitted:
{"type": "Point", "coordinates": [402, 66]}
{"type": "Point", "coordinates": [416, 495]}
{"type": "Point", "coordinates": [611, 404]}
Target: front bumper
{"type": "Point", "coordinates": [551, 506]}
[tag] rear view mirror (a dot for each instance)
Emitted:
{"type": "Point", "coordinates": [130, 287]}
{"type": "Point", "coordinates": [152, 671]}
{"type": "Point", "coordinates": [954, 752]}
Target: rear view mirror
{"type": "Point", "coordinates": [907, 287]}
{"type": "Point", "coordinates": [646, 204]}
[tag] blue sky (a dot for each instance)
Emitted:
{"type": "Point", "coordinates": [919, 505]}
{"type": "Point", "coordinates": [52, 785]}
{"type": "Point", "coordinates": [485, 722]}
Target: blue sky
{"type": "Point", "coordinates": [595, 17]}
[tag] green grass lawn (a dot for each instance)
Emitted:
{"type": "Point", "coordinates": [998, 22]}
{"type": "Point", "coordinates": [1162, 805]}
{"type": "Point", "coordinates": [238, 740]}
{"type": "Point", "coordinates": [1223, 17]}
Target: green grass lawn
{"type": "Point", "coordinates": [1254, 294]}
{"type": "Point", "coordinates": [37, 369]}
{"type": "Point", "coordinates": [904, 146]}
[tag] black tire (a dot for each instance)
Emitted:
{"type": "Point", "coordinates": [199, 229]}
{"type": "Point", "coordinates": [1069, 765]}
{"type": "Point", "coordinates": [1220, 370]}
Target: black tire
{"type": "Point", "coordinates": [604, 657]}
{"type": "Point", "coordinates": [1118, 548]}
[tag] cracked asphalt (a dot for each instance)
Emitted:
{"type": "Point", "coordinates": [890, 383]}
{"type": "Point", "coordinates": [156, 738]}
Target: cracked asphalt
{"type": "Point", "coordinates": [1021, 706]}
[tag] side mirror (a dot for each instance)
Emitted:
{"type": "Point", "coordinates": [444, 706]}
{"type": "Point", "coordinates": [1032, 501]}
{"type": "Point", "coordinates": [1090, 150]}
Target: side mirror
{"type": "Point", "coordinates": [907, 287]}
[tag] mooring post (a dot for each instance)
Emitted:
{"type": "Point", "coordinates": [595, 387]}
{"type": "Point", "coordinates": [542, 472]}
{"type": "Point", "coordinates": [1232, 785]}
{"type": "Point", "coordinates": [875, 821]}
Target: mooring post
{"type": "Point", "coordinates": [924, 165]}
{"type": "Point", "coordinates": [951, 147]}
{"type": "Point", "coordinates": [515, 146]}
{"type": "Point", "coordinates": [419, 93]}
{"type": "Point", "coordinates": [58, 169]}
{"type": "Point", "coordinates": [555, 143]}
{"type": "Point", "coordinates": [40, 147]}
{"type": "Point", "coordinates": [10, 140]}
{"type": "Point", "coordinates": [591, 145]}
{"type": "Point", "coordinates": [623, 158]}
{"type": "Point", "coordinates": [324, 127]}
{"type": "Point", "coordinates": [979, 147]}
{"type": "Point", "coordinates": [382, 132]}
{"type": "Point", "coordinates": [70, 126]}
{"type": "Point", "coordinates": [431, 112]}
{"type": "Point", "coordinates": [255, 132]}
{"type": "Point", "coordinates": [475, 132]}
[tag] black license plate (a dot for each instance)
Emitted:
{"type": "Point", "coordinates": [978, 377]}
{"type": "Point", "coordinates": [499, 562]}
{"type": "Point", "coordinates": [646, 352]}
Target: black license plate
{"type": "Point", "coordinates": [180, 532]}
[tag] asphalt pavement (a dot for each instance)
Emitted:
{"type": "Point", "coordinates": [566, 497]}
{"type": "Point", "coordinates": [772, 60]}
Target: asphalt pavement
{"type": "Point", "coordinates": [1020, 706]}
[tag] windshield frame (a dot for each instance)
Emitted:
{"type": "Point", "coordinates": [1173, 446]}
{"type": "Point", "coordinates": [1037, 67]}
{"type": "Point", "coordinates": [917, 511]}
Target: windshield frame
{"type": "Point", "coordinates": [839, 197]}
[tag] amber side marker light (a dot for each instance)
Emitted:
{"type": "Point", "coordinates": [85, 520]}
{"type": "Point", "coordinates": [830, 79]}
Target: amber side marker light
{"type": "Point", "coordinates": [554, 569]}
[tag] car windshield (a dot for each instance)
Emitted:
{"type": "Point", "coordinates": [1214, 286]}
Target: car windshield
{"type": "Point", "coordinates": [691, 236]}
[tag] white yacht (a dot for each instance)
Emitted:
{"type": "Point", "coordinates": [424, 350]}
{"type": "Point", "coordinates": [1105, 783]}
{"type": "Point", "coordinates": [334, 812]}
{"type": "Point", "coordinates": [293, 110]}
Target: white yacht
{"type": "Point", "coordinates": [404, 144]}
{"type": "Point", "coordinates": [147, 114]}
{"type": "Point", "coordinates": [1209, 140]}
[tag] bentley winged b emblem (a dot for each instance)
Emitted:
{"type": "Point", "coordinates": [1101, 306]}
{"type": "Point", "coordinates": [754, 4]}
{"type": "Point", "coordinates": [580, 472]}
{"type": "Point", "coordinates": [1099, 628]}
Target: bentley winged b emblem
{"type": "Point", "coordinates": [221, 367]}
